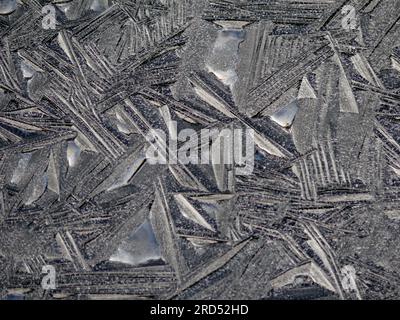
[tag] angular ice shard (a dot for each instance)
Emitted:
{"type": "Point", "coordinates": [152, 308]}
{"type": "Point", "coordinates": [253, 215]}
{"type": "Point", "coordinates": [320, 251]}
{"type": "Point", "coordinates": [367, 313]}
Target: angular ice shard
{"type": "Point", "coordinates": [285, 116]}
{"type": "Point", "coordinates": [306, 91]}
{"type": "Point", "coordinates": [73, 153]}
{"type": "Point", "coordinates": [224, 55]}
{"type": "Point", "coordinates": [141, 248]}
{"type": "Point", "coordinates": [37, 189]}
{"type": "Point", "coordinates": [27, 70]}
{"type": "Point", "coordinates": [122, 125]}
{"type": "Point", "coordinates": [191, 213]}
{"type": "Point", "coordinates": [127, 174]}
{"type": "Point", "coordinates": [21, 168]}
{"type": "Point", "coordinates": [53, 183]}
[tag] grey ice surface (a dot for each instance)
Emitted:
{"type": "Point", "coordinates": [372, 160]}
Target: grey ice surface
{"type": "Point", "coordinates": [318, 82]}
{"type": "Point", "coordinates": [8, 6]}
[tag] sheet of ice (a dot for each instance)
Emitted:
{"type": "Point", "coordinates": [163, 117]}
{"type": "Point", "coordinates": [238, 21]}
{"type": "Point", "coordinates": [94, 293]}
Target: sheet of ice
{"type": "Point", "coordinates": [285, 116]}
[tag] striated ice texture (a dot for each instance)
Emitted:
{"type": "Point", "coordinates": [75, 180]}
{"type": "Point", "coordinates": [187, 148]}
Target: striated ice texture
{"type": "Point", "coordinates": [287, 110]}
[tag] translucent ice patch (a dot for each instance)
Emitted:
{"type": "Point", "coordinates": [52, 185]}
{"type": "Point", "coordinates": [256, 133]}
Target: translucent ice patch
{"type": "Point", "coordinates": [127, 174]}
{"type": "Point", "coordinates": [140, 248]}
{"type": "Point", "coordinates": [68, 10]}
{"type": "Point", "coordinates": [52, 175]}
{"type": "Point", "coordinates": [35, 85]}
{"type": "Point", "coordinates": [37, 190]}
{"type": "Point", "coordinates": [211, 208]}
{"type": "Point", "coordinates": [285, 116]}
{"type": "Point", "coordinates": [224, 56]}
{"type": "Point", "coordinates": [27, 70]}
{"type": "Point", "coordinates": [228, 77]}
{"type": "Point", "coordinates": [22, 166]}
{"type": "Point", "coordinates": [191, 213]}
{"type": "Point", "coordinates": [99, 5]}
{"type": "Point", "coordinates": [64, 7]}
{"type": "Point", "coordinates": [73, 153]}
{"type": "Point", "coordinates": [122, 126]}
{"type": "Point", "coordinates": [8, 6]}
